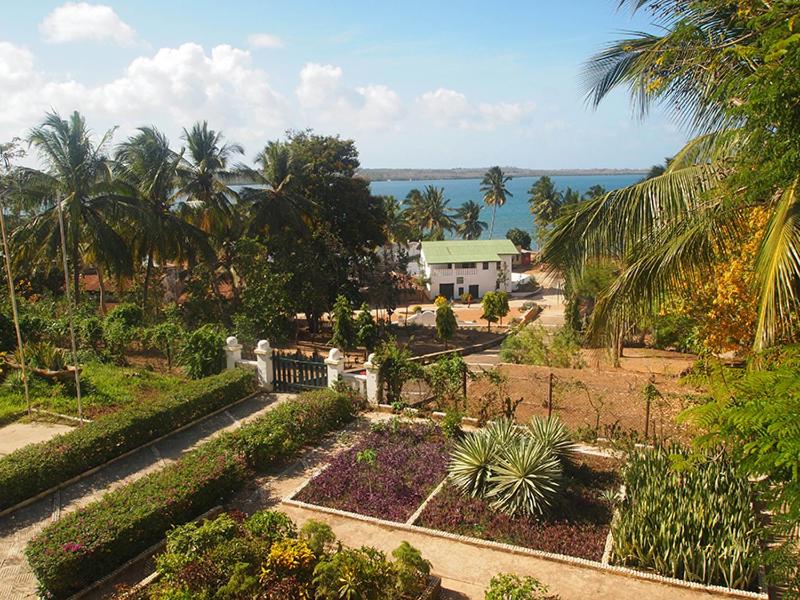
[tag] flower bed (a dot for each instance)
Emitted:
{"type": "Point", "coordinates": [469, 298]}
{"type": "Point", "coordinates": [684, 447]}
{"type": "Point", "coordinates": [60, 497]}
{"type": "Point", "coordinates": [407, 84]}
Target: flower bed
{"type": "Point", "coordinates": [577, 526]}
{"type": "Point", "coordinates": [92, 541]}
{"type": "Point", "coordinates": [387, 474]}
{"type": "Point", "coordinates": [38, 467]}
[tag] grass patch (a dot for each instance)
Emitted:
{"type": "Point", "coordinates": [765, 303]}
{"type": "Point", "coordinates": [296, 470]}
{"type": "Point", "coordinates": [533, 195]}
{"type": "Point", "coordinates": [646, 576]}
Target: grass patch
{"type": "Point", "coordinates": [104, 388]}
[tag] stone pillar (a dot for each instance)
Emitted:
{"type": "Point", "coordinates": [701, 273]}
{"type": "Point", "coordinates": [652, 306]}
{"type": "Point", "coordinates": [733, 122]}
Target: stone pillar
{"type": "Point", "coordinates": [264, 364]}
{"type": "Point", "coordinates": [233, 352]}
{"type": "Point", "coordinates": [374, 391]}
{"type": "Point", "coordinates": [335, 362]}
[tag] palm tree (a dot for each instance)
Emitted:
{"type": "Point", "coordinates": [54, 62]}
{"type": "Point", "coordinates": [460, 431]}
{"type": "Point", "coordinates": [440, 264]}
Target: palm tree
{"type": "Point", "coordinates": [429, 212]}
{"type": "Point", "coordinates": [398, 228]}
{"type": "Point", "coordinates": [470, 227]}
{"type": "Point", "coordinates": [493, 186]}
{"type": "Point", "coordinates": [149, 168]}
{"type": "Point", "coordinates": [277, 204]}
{"type": "Point", "coordinates": [711, 63]}
{"type": "Point", "coordinates": [545, 203]}
{"type": "Point", "coordinates": [77, 175]}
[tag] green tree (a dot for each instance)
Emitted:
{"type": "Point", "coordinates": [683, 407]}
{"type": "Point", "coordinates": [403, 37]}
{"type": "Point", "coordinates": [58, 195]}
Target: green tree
{"type": "Point", "coordinates": [367, 333]}
{"type": "Point", "coordinates": [344, 329]}
{"type": "Point", "coordinates": [428, 212]}
{"type": "Point", "coordinates": [728, 73]}
{"type": "Point", "coordinates": [77, 174]}
{"type": "Point", "coordinates": [495, 192]}
{"type": "Point", "coordinates": [519, 237]}
{"type": "Point", "coordinates": [503, 309]}
{"type": "Point", "coordinates": [545, 203]}
{"type": "Point", "coordinates": [491, 308]}
{"type": "Point", "coordinates": [395, 367]}
{"type": "Point", "coordinates": [470, 226]}
{"type": "Point", "coordinates": [148, 168]}
{"type": "Point", "coordinates": [446, 323]}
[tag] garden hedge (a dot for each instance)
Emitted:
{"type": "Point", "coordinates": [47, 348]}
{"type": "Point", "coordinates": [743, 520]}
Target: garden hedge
{"type": "Point", "coordinates": [89, 543]}
{"type": "Point", "coordinates": [38, 467]}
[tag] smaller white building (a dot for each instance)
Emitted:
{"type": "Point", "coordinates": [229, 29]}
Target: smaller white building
{"type": "Point", "coordinates": [457, 267]}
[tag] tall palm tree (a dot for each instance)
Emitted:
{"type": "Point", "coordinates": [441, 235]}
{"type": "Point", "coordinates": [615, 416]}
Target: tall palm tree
{"type": "Point", "coordinates": [429, 212]}
{"type": "Point", "coordinates": [714, 65]}
{"type": "Point", "coordinates": [77, 175]}
{"type": "Point", "coordinates": [493, 186]}
{"type": "Point", "coordinates": [470, 227]}
{"type": "Point", "coordinates": [277, 204]}
{"type": "Point", "coordinates": [149, 168]}
{"type": "Point", "coordinates": [398, 228]}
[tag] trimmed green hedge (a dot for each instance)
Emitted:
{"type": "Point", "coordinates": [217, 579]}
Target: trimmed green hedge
{"type": "Point", "coordinates": [91, 542]}
{"type": "Point", "coordinates": [38, 467]}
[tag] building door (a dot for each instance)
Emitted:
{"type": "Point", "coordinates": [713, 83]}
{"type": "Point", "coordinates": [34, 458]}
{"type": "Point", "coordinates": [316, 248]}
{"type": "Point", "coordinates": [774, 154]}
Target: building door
{"type": "Point", "coordinates": [446, 290]}
{"type": "Point", "coordinates": [460, 292]}
{"type": "Point", "coordinates": [474, 291]}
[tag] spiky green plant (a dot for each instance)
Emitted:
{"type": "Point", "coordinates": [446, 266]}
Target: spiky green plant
{"type": "Point", "coordinates": [502, 431]}
{"type": "Point", "coordinates": [471, 463]}
{"type": "Point", "coordinates": [553, 434]}
{"type": "Point", "coordinates": [526, 479]}
{"type": "Point", "coordinates": [687, 519]}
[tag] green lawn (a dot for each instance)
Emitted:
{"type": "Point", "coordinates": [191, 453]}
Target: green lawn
{"type": "Point", "coordinates": [104, 389]}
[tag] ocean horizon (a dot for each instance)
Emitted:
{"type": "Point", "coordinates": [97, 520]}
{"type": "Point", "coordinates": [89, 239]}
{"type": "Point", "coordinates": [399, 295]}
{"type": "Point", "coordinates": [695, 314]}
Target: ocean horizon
{"type": "Point", "coordinates": [515, 212]}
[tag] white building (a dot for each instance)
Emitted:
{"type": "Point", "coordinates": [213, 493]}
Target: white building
{"type": "Point", "coordinates": [456, 267]}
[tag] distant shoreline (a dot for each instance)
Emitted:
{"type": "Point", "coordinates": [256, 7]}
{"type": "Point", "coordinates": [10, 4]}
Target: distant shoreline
{"type": "Point", "coordinates": [430, 174]}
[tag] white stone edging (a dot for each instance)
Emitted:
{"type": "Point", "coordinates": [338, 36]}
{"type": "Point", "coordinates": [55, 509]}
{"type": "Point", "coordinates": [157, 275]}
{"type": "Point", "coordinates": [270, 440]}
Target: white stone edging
{"type": "Point", "coordinates": [413, 518]}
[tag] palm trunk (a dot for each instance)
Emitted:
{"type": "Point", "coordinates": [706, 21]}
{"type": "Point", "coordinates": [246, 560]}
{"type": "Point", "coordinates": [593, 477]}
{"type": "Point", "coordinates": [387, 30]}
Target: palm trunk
{"type": "Point", "coordinates": [102, 286]}
{"type": "Point", "coordinates": [147, 274]}
{"type": "Point", "coordinates": [491, 227]}
{"type": "Point", "coordinates": [76, 272]}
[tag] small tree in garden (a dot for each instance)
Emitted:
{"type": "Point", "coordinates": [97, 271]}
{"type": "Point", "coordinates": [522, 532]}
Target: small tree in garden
{"type": "Point", "coordinates": [395, 368]}
{"type": "Point", "coordinates": [165, 337]}
{"type": "Point", "coordinates": [491, 309]}
{"type": "Point", "coordinates": [501, 298]}
{"type": "Point", "coordinates": [503, 277]}
{"type": "Point", "coordinates": [367, 333]}
{"type": "Point", "coordinates": [507, 586]}
{"type": "Point", "coordinates": [203, 354]}
{"type": "Point", "coordinates": [120, 327]}
{"type": "Point", "coordinates": [446, 379]}
{"type": "Point", "coordinates": [446, 324]}
{"type": "Point", "coordinates": [344, 329]}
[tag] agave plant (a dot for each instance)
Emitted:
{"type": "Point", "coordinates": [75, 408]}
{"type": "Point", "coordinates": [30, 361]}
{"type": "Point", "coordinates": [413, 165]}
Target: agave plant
{"type": "Point", "coordinates": [503, 431]}
{"type": "Point", "coordinates": [526, 479]}
{"type": "Point", "coordinates": [471, 463]}
{"type": "Point", "coordinates": [553, 434]}
{"type": "Point", "coordinates": [44, 355]}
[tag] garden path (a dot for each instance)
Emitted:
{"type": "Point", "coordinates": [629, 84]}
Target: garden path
{"type": "Point", "coordinates": [16, 579]}
{"type": "Point", "coordinates": [19, 434]}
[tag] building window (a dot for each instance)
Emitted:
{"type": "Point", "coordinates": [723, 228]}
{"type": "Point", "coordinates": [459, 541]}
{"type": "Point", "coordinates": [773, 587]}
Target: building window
{"type": "Point", "coordinates": [498, 264]}
{"type": "Point", "coordinates": [486, 266]}
{"type": "Point", "coordinates": [470, 265]}
{"type": "Point", "coordinates": [459, 280]}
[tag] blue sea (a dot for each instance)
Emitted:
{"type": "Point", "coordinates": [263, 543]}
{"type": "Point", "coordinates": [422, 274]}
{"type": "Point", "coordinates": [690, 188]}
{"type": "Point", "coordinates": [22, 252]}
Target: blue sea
{"type": "Point", "coordinates": [516, 212]}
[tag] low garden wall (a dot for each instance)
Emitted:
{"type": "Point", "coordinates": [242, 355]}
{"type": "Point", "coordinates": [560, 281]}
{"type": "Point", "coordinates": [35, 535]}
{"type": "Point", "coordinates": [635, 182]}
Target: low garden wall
{"type": "Point", "coordinates": [38, 467]}
{"type": "Point", "coordinates": [87, 544]}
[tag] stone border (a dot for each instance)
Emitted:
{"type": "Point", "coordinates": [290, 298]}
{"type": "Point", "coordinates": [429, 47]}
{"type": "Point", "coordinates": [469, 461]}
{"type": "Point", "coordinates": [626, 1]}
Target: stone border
{"type": "Point", "coordinates": [513, 549]}
{"type": "Point", "coordinates": [93, 470]}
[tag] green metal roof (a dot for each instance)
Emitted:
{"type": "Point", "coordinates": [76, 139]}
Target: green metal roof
{"type": "Point", "coordinates": [461, 251]}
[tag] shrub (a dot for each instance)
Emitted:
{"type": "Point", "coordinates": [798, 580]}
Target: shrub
{"type": "Point", "coordinates": [354, 573]}
{"type": "Point", "coordinates": [525, 480]}
{"type": "Point", "coordinates": [318, 535]}
{"type": "Point", "coordinates": [344, 329]}
{"type": "Point", "coordinates": [530, 346]}
{"type": "Point", "coordinates": [451, 424]}
{"type": "Point", "coordinates": [165, 337]}
{"type": "Point", "coordinates": [446, 323]}
{"type": "Point", "coordinates": [121, 326]}
{"type": "Point", "coordinates": [37, 467]}
{"type": "Point", "coordinates": [44, 355]}
{"type": "Point", "coordinates": [367, 333]}
{"type": "Point", "coordinates": [446, 379]}
{"type": "Point", "coordinates": [89, 543]}
{"type": "Point", "coordinates": [553, 435]}
{"type": "Point", "coordinates": [270, 525]}
{"type": "Point", "coordinates": [203, 353]}
{"type": "Point", "coordinates": [690, 520]}
{"type": "Point", "coordinates": [396, 367]}
{"type": "Point", "coordinates": [507, 586]}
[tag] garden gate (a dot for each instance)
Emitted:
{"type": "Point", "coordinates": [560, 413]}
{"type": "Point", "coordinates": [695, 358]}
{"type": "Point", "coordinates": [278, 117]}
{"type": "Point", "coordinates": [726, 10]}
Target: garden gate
{"type": "Point", "coordinates": [297, 373]}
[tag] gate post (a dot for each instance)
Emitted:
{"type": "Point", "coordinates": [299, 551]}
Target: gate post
{"type": "Point", "coordinates": [373, 380]}
{"type": "Point", "coordinates": [233, 352]}
{"type": "Point", "coordinates": [264, 364]}
{"type": "Point", "coordinates": [335, 362]}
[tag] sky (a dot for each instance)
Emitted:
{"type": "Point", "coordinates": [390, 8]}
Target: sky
{"type": "Point", "coordinates": [432, 84]}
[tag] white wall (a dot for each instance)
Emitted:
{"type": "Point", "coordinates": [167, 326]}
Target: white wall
{"type": "Point", "coordinates": [486, 279]}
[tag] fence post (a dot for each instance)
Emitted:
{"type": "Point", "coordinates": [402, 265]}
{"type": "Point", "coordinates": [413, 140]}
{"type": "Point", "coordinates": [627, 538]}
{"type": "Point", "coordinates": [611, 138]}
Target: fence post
{"type": "Point", "coordinates": [550, 394]}
{"type": "Point", "coordinates": [647, 418]}
{"type": "Point", "coordinates": [233, 352]}
{"type": "Point", "coordinates": [373, 380]}
{"type": "Point", "coordinates": [263, 353]}
{"type": "Point", "coordinates": [335, 362]}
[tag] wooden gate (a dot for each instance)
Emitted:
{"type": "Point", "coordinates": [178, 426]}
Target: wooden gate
{"type": "Point", "coordinates": [296, 372]}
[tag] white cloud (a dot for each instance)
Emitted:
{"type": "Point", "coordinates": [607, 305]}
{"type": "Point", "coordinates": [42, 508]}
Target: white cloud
{"type": "Point", "coordinates": [449, 108]}
{"type": "Point", "coordinates": [264, 40]}
{"type": "Point", "coordinates": [325, 99]}
{"type": "Point", "coordinates": [81, 21]}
